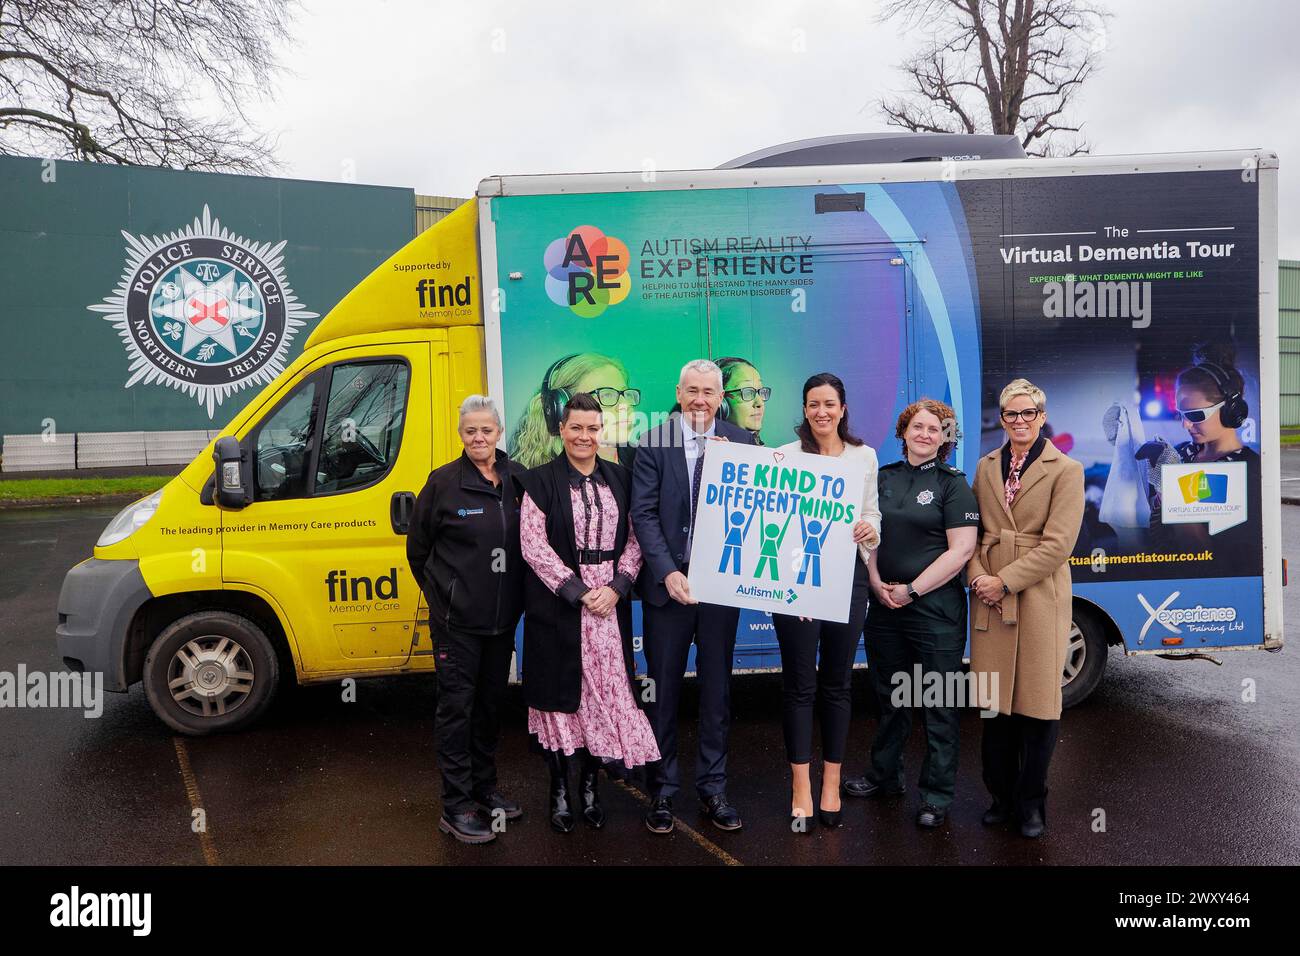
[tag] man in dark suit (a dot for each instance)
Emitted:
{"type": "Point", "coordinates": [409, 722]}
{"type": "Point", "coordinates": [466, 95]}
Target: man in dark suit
{"type": "Point", "coordinates": [666, 475]}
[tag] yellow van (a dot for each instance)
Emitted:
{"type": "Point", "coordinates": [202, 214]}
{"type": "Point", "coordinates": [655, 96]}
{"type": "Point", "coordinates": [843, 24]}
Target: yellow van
{"type": "Point", "coordinates": [281, 548]}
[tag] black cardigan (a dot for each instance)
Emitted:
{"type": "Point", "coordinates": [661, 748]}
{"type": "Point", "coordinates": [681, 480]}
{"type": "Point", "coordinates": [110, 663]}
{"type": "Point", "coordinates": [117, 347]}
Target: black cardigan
{"type": "Point", "coordinates": [552, 661]}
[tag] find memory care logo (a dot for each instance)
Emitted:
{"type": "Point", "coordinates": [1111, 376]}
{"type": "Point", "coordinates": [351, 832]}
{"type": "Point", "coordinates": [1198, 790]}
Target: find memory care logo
{"type": "Point", "coordinates": [586, 270]}
{"type": "Point", "coordinates": [203, 310]}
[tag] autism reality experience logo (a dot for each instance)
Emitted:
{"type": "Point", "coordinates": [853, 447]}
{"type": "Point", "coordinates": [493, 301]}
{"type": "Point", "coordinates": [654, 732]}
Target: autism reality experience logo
{"type": "Point", "coordinates": [586, 270]}
{"type": "Point", "coordinates": [203, 311]}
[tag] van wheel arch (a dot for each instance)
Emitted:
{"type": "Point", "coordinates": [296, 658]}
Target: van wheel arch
{"type": "Point", "coordinates": [1091, 636]}
{"type": "Point", "coordinates": [157, 614]}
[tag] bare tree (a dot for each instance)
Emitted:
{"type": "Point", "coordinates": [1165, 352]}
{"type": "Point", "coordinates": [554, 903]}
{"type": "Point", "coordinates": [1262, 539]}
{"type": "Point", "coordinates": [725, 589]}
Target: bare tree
{"type": "Point", "coordinates": [148, 82]}
{"type": "Point", "coordinates": [998, 66]}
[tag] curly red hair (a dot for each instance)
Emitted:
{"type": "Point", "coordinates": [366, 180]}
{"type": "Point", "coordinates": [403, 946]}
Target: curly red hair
{"type": "Point", "coordinates": [947, 419]}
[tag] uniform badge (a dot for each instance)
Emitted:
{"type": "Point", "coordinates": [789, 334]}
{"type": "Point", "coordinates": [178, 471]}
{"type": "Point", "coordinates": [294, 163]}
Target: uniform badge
{"type": "Point", "coordinates": [204, 311]}
{"type": "Point", "coordinates": [925, 497]}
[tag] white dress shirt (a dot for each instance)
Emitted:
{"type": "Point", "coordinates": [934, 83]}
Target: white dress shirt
{"type": "Point", "coordinates": [693, 448]}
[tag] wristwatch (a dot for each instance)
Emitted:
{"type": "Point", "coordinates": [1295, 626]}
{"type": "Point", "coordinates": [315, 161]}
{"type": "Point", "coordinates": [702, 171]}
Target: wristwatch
{"type": "Point", "coordinates": [911, 592]}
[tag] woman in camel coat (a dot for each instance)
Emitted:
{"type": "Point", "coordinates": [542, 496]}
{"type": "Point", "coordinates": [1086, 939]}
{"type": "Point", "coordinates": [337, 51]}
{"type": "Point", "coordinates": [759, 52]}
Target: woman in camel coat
{"type": "Point", "coordinates": [1030, 498]}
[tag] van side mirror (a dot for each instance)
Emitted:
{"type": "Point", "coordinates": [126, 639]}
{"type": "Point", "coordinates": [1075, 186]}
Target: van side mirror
{"type": "Point", "coordinates": [233, 489]}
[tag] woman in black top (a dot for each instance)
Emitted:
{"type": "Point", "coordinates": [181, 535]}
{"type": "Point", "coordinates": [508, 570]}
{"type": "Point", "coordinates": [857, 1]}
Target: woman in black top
{"type": "Point", "coordinates": [463, 548]}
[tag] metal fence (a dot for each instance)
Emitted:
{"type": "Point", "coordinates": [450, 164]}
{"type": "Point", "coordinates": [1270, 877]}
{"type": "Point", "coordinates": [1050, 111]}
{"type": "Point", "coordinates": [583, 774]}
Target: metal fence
{"type": "Point", "coordinates": [66, 451]}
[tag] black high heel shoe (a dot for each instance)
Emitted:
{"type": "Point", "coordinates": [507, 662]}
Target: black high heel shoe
{"type": "Point", "coordinates": [829, 818]}
{"type": "Point", "coordinates": [592, 813]}
{"type": "Point", "coordinates": [561, 810]}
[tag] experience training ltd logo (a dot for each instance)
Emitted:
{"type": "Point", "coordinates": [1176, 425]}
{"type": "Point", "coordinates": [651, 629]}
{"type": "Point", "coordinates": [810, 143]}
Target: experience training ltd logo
{"type": "Point", "coordinates": [1199, 619]}
{"type": "Point", "coordinates": [586, 270]}
{"type": "Point", "coordinates": [203, 310]}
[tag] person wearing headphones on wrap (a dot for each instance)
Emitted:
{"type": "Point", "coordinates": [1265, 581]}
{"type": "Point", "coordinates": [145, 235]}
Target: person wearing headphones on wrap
{"type": "Point", "coordinates": [744, 396]}
{"type": "Point", "coordinates": [536, 439]}
{"type": "Point", "coordinates": [1212, 406]}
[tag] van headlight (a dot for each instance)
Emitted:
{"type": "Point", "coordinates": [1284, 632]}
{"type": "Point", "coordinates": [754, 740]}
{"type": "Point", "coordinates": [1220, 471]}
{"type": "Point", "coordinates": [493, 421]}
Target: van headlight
{"type": "Point", "coordinates": [130, 520]}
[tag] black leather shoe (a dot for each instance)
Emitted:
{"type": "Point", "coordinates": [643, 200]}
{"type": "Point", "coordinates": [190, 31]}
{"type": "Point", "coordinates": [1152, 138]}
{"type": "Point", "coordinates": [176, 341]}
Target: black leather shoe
{"type": "Point", "coordinates": [659, 818]}
{"type": "Point", "coordinates": [592, 813]}
{"type": "Point", "coordinates": [1032, 823]}
{"type": "Point", "coordinates": [561, 810]}
{"type": "Point", "coordinates": [495, 800]}
{"type": "Point", "coordinates": [930, 816]}
{"type": "Point", "coordinates": [468, 826]}
{"type": "Point", "coordinates": [862, 787]}
{"type": "Point", "coordinates": [723, 814]}
{"type": "Point", "coordinates": [996, 815]}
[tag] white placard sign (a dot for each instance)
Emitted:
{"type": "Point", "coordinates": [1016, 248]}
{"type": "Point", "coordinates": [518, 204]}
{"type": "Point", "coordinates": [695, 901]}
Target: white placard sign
{"type": "Point", "coordinates": [774, 531]}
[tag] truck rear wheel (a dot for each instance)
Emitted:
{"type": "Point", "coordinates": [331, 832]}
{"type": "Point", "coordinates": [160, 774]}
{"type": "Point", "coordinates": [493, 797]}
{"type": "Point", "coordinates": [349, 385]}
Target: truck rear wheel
{"type": "Point", "coordinates": [210, 671]}
{"type": "Point", "coordinates": [1085, 658]}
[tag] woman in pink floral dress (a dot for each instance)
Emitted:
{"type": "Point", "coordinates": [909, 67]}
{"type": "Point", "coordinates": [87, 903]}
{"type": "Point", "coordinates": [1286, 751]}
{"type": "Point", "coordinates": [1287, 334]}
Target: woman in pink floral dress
{"type": "Point", "coordinates": [579, 681]}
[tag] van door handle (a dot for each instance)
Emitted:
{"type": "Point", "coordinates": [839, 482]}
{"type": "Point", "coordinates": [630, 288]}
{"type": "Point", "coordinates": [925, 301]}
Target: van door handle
{"type": "Point", "coordinates": [400, 509]}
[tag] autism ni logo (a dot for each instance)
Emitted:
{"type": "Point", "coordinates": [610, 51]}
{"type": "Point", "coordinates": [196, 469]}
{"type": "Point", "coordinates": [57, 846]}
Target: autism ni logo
{"type": "Point", "coordinates": [586, 270]}
{"type": "Point", "coordinates": [1200, 487]}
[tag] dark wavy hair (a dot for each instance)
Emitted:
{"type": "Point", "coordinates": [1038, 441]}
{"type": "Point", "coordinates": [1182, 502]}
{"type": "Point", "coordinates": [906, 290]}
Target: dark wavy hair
{"type": "Point", "coordinates": [807, 440]}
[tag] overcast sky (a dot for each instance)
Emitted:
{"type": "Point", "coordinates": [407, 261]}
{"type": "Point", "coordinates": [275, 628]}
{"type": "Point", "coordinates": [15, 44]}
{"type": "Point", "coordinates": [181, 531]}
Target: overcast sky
{"type": "Point", "coordinates": [438, 95]}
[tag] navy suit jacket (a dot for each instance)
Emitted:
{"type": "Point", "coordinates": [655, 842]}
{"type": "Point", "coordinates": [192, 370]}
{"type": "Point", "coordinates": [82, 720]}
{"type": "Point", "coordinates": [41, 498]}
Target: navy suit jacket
{"type": "Point", "coordinates": [661, 502]}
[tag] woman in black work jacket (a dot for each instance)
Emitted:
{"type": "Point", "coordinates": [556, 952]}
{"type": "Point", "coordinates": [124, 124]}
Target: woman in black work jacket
{"type": "Point", "coordinates": [463, 548]}
{"type": "Point", "coordinates": [928, 528]}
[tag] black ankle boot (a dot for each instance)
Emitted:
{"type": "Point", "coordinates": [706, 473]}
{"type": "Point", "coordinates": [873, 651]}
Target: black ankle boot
{"type": "Point", "coordinates": [561, 809]}
{"type": "Point", "coordinates": [592, 813]}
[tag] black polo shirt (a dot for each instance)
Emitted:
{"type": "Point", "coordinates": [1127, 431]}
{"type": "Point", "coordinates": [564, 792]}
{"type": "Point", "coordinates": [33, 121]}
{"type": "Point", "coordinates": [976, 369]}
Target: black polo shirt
{"type": "Point", "coordinates": [918, 504]}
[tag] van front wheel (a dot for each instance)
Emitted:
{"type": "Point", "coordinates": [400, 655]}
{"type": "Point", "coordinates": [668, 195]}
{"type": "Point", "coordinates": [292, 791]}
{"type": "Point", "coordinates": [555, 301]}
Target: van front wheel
{"type": "Point", "coordinates": [210, 671]}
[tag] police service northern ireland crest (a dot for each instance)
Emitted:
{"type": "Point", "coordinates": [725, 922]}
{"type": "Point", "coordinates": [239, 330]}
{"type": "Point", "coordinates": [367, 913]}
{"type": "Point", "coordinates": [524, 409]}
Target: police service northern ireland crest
{"type": "Point", "coordinates": [204, 311]}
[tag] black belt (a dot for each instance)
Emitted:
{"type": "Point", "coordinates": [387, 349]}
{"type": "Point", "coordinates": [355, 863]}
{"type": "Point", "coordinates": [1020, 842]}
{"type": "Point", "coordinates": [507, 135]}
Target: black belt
{"type": "Point", "coordinates": [594, 556]}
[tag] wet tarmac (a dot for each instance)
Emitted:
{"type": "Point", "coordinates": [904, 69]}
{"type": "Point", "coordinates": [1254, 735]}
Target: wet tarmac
{"type": "Point", "coordinates": [1167, 755]}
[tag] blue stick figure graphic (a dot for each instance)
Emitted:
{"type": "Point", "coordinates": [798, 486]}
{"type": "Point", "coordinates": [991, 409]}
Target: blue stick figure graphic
{"type": "Point", "coordinates": [735, 537]}
{"type": "Point", "coordinates": [770, 548]}
{"type": "Point", "coordinates": [814, 537]}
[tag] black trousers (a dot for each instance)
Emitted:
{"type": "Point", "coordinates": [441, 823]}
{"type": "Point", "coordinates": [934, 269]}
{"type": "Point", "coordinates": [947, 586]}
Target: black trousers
{"type": "Point", "coordinates": [897, 641]}
{"type": "Point", "coordinates": [473, 671]}
{"type": "Point", "coordinates": [1017, 751]}
{"type": "Point", "coordinates": [669, 632]}
{"type": "Point", "coordinates": [816, 673]}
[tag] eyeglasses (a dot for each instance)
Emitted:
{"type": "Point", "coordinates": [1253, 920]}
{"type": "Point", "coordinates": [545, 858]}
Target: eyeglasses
{"type": "Point", "coordinates": [748, 392]}
{"type": "Point", "coordinates": [1027, 415]}
{"type": "Point", "coordinates": [1197, 415]}
{"type": "Point", "coordinates": [613, 397]}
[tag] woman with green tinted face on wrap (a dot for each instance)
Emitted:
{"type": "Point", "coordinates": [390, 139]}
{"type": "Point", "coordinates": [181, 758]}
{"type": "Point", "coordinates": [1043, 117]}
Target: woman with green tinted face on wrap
{"type": "Point", "coordinates": [744, 395]}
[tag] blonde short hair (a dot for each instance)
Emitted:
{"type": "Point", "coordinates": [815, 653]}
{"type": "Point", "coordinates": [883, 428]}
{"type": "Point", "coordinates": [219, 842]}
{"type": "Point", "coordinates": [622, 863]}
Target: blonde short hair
{"type": "Point", "coordinates": [1022, 386]}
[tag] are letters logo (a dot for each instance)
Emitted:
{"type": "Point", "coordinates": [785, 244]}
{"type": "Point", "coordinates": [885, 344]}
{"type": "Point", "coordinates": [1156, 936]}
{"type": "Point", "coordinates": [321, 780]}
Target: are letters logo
{"type": "Point", "coordinates": [203, 310]}
{"type": "Point", "coordinates": [586, 270]}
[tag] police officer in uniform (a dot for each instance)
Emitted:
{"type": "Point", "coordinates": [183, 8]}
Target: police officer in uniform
{"type": "Point", "coordinates": [929, 528]}
{"type": "Point", "coordinates": [463, 548]}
